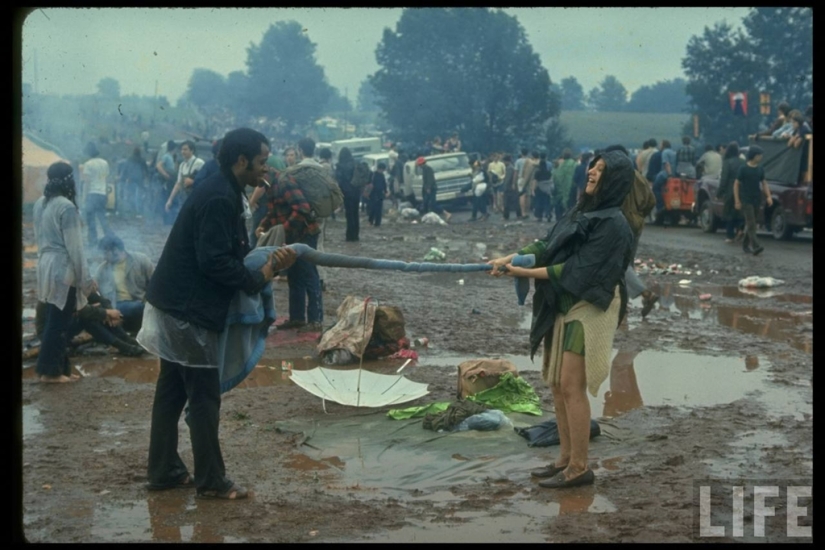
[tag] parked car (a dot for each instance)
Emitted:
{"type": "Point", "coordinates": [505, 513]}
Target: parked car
{"type": "Point", "coordinates": [374, 158]}
{"type": "Point", "coordinates": [792, 208]}
{"type": "Point", "coordinates": [452, 173]}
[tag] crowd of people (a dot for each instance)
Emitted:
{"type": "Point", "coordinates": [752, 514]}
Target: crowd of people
{"type": "Point", "coordinates": [598, 200]}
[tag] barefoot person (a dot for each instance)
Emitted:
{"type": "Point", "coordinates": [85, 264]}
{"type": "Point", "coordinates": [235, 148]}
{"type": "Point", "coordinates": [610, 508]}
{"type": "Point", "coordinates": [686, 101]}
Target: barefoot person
{"type": "Point", "coordinates": [199, 271]}
{"type": "Point", "coordinates": [63, 281]}
{"type": "Point", "coordinates": [579, 300]}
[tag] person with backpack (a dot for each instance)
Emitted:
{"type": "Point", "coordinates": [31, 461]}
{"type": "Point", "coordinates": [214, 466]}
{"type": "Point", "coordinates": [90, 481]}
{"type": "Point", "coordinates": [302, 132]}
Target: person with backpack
{"type": "Point", "coordinates": [344, 174]}
{"type": "Point", "coordinates": [289, 205]}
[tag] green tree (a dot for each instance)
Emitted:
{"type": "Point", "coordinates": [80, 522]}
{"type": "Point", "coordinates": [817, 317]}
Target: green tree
{"type": "Point", "coordinates": [367, 97]}
{"type": "Point", "coordinates": [717, 63]}
{"type": "Point", "coordinates": [609, 96]}
{"type": "Point", "coordinates": [338, 103]}
{"type": "Point", "coordinates": [572, 94]}
{"type": "Point", "coordinates": [773, 53]}
{"type": "Point", "coordinates": [667, 96]}
{"type": "Point", "coordinates": [206, 89]}
{"type": "Point", "coordinates": [466, 70]}
{"type": "Point", "coordinates": [782, 42]}
{"type": "Point", "coordinates": [108, 88]}
{"type": "Point", "coordinates": [237, 90]}
{"type": "Point", "coordinates": [285, 80]}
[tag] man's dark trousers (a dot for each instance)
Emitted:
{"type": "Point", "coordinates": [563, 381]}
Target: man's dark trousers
{"type": "Point", "coordinates": [199, 386]}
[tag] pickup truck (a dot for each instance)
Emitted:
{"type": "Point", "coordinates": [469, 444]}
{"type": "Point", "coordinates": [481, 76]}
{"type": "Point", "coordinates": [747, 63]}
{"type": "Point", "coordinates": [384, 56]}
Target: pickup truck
{"type": "Point", "coordinates": [452, 173]}
{"type": "Point", "coordinates": [792, 209]}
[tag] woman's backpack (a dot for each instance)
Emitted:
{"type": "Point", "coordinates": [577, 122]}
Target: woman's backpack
{"type": "Point", "coordinates": [319, 188]}
{"type": "Point", "coordinates": [362, 175]}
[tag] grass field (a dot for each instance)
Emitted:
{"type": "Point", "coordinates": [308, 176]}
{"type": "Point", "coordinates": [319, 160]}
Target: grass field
{"type": "Point", "coordinates": [594, 130]}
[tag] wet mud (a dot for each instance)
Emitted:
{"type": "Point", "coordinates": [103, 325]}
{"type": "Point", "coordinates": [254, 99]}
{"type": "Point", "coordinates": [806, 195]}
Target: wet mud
{"type": "Point", "coordinates": [702, 388]}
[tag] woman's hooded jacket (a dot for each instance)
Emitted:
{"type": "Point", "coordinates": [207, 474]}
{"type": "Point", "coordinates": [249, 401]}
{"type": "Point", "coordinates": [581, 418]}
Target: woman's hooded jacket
{"type": "Point", "coordinates": [595, 243]}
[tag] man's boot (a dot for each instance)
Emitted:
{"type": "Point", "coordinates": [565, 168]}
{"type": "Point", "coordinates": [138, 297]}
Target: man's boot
{"type": "Point", "coordinates": [127, 349]}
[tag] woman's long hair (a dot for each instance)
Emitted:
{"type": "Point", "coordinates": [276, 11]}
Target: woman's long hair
{"type": "Point", "coordinates": [345, 156]}
{"type": "Point", "coordinates": [60, 182]}
{"type": "Point", "coordinates": [732, 150]}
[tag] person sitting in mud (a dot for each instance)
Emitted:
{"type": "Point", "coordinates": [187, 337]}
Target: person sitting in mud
{"type": "Point", "coordinates": [123, 279]}
{"type": "Point", "coordinates": [581, 297]}
{"type": "Point", "coordinates": [100, 320]}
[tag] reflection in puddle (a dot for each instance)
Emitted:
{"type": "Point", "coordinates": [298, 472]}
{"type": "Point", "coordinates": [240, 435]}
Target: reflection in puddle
{"type": "Point", "coordinates": [31, 421]}
{"type": "Point", "coordinates": [679, 379]}
{"type": "Point", "coordinates": [165, 516]}
{"type": "Point", "coordinates": [778, 325]}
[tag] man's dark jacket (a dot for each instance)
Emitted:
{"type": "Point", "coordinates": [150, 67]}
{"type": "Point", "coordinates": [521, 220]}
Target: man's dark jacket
{"type": "Point", "coordinates": [428, 184]}
{"type": "Point", "coordinates": [595, 243]}
{"type": "Point", "coordinates": [201, 266]}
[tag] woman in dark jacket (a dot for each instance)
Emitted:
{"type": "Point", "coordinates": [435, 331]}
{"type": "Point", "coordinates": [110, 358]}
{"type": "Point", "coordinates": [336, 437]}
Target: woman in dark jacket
{"type": "Point", "coordinates": [730, 167]}
{"type": "Point", "coordinates": [580, 298]}
{"type": "Point", "coordinates": [344, 170]}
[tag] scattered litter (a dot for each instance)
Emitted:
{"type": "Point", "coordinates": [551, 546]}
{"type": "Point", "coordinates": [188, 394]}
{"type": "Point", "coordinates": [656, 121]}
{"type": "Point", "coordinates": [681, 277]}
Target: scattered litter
{"type": "Point", "coordinates": [104, 492]}
{"type": "Point", "coordinates": [415, 221]}
{"type": "Point", "coordinates": [313, 533]}
{"type": "Point", "coordinates": [286, 366]}
{"type": "Point", "coordinates": [684, 282]}
{"type": "Point", "coordinates": [410, 213]}
{"type": "Point", "coordinates": [47, 487]}
{"type": "Point", "coordinates": [486, 421]}
{"type": "Point", "coordinates": [405, 354]}
{"type": "Point", "coordinates": [29, 314]}
{"type": "Point", "coordinates": [704, 297]}
{"type": "Point", "coordinates": [434, 255]}
{"type": "Point", "coordinates": [337, 357]}
{"type": "Point", "coordinates": [404, 205]}
{"type": "Point", "coordinates": [698, 273]}
{"type": "Point", "coordinates": [422, 342]}
{"type": "Point", "coordinates": [407, 362]}
{"type": "Point", "coordinates": [461, 282]}
{"type": "Point", "coordinates": [760, 282]}
{"type": "Point", "coordinates": [433, 218]}
{"type": "Point", "coordinates": [476, 312]}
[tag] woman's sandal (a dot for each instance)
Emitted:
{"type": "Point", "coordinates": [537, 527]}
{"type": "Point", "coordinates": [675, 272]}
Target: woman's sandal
{"type": "Point", "coordinates": [185, 483]}
{"type": "Point", "coordinates": [236, 492]}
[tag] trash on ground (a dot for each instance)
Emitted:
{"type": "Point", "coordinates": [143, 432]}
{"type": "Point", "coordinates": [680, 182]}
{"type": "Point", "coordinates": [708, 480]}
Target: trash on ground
{"type": "Point", "coordinates": [410, 213]}
{"type": "Point", "coordinates": [755, 281]}
{"type": "Point", "coordinates": [29, 313]}
{"type": "Point", "coordinates": [704, 297]}
{"type": "Point", "coordinates": [486, 421]}
{"type": "Point", "coordinates": [461, 282]}
{"type": "Point", "coordinates": [404, 354]}
{"type": "Point", "coordinates": [684, 282]}
{"type": "Point", "coordinates": [546, 433]}
{"type": "Point", "coordinates": [476, 312]}
{"type": "Point", "coordinates": [434, 255]}
{"type": "Point", "coordinates": [337, 357]}
{"type": "Point", "coordinates": [433, 218]}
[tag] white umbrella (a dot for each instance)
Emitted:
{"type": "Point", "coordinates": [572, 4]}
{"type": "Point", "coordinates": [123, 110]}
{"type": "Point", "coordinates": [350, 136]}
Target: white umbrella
{"type": "Point", "coordinates": [359, 388]}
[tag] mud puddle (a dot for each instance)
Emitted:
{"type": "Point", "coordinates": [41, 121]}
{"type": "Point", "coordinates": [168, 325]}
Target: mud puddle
{"type": "Point", "coordinates": [792, 327]}
{"type": "Point", "coordinates": [162, 517]}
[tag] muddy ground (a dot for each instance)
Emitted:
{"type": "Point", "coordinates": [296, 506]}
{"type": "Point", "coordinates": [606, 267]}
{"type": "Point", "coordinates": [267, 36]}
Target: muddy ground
{"type": "Point", "coordinates": [701, 389]}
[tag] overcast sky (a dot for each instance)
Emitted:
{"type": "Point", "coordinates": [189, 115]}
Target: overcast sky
{"type": "Point", "coordinates": [72, 49]}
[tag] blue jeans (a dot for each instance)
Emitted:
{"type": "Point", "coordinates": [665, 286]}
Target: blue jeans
{"type": "Point", "coordinates": [541, 205]}
{"type": "Point", "coordinates": [658, 184]}
{"type": "Point", "coordinates": [132, 312]}
{"type": "Point", "coordinates": [96, 210]}
{"type": "Point", "coordinates": [305, 288]}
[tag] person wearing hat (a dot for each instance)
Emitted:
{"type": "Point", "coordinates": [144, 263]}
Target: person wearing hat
{"type": "Point", "coordinates": [123, 278]}
{"type": "Point", "coordinates": [429, 190]}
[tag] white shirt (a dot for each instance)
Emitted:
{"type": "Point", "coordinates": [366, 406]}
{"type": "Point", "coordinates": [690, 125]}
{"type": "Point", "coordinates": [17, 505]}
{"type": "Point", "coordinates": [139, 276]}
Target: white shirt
{"type": "Point", "coordinates": [95, 172]}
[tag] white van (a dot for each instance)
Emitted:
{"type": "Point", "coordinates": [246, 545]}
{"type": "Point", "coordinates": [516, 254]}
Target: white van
{"type": "Point", "coordinates": [452, 172]}
{"type": "Point", "coordinates": [374, 158]}
{"type": "Point", "coordinates": [357, 146]}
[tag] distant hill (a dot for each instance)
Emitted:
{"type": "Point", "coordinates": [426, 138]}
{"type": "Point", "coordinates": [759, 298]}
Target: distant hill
{"type": "Point", "coordinates": [597, 130]}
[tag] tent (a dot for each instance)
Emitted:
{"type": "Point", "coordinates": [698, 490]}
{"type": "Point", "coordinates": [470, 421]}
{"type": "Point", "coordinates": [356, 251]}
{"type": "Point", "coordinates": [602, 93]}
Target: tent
{"type": "Point", "coordinates": [36, 160]}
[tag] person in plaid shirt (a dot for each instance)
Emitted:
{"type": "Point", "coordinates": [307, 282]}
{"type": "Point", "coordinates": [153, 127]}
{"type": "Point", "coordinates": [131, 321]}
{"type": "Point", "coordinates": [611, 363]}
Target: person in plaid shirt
{"type": "Point", "coordinates": [287, 206]}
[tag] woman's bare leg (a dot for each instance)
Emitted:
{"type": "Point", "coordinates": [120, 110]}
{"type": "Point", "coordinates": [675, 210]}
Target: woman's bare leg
{"type": "Point", "coordinates": [562, 422]}
{"type": "Point", "coordinates": [577, 411]}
